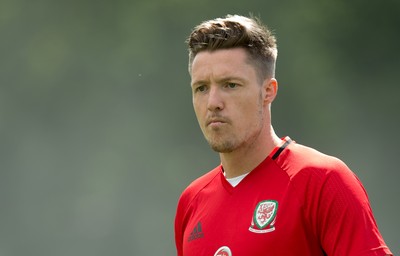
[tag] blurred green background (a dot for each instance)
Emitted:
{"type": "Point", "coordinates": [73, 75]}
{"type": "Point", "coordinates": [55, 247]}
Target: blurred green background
{"type": "Point", "coordinates": [97, 133]}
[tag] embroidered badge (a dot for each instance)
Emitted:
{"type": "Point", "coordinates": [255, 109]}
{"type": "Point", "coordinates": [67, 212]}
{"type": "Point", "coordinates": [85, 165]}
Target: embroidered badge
{"type": "Point", "coordinates": [264, 217]}
{"type": "Point", "coordinates": [223, 251]}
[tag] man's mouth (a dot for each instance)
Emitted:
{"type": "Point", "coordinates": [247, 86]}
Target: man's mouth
{"type": "Point", "coordinates": [215, 122]}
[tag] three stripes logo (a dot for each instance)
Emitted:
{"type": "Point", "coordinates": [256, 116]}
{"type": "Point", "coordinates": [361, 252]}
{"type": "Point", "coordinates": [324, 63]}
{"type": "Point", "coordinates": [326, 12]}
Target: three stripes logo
{"type": "Point", "coordinates": [196, 233]}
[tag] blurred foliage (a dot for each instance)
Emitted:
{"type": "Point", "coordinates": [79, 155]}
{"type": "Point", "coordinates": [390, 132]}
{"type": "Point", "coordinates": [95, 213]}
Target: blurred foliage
{"type": "Point", "coordinates": [98, 136]}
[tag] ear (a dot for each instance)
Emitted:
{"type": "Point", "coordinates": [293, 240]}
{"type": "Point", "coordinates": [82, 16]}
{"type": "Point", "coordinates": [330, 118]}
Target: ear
{"type": "Point", "coordinates": [270, 89]}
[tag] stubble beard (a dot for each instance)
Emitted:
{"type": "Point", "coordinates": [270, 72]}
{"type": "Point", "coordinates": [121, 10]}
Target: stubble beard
{"type": "Point", "coordinates": [232, 143]}
{"type": "Point", "coordinates": [223, 146]}
{"type": "Point", "coordinates": [222, 142]}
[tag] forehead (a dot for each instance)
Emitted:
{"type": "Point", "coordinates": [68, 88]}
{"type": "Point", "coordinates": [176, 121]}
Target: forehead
{"type": "Point", "coordinates": [219, 63]}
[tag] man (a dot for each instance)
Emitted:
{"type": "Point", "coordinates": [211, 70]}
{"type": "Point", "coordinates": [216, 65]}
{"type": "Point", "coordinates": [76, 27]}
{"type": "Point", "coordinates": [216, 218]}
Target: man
{"type": "Point", "coordinates": [269, 196]}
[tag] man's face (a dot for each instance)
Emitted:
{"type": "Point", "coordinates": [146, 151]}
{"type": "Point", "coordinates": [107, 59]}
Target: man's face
{"type": "Point", "coordinates": [227, 99]}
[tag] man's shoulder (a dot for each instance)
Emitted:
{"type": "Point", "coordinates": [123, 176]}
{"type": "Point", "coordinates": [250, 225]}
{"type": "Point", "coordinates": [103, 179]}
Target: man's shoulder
{"type": "Point", "coordinates": [204, 180]}
{"type": "Point", "coordinates": [199, 184]}
{"type": "Point", "coordinates": [310, 153]}
{"type": "Point", "coordinates": [298, 158]}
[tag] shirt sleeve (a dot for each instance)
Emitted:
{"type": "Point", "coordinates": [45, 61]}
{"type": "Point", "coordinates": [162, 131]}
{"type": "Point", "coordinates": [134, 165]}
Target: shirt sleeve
{"type": "Point", "coordinates": [179, 225]}
{"type": "Point", "coordinates": [345, 222]}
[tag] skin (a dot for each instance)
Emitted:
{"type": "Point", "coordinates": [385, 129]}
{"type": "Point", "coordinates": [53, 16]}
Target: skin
{"type": "Point", "coordinates": [233, 108]}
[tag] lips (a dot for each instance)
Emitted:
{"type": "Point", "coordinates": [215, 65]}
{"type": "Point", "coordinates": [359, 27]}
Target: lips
{"type": "Point", "coordinates": [218, 120]}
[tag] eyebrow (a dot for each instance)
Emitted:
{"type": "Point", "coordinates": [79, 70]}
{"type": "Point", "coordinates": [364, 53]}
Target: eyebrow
{"type": "Point", "coordinates": [199, 82]}
{"type": "Point", "coordinates": [220, 81]}
{"type": "Point", "coordinates": [231, 78]}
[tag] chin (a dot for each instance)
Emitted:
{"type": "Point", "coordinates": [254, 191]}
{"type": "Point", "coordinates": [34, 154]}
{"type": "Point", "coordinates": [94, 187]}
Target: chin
{"type": "Point", "coordinates": [223, 147]}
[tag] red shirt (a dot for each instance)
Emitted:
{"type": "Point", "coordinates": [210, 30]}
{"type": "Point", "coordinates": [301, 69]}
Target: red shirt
{"type": "Point", "coordinates": [296, 202]}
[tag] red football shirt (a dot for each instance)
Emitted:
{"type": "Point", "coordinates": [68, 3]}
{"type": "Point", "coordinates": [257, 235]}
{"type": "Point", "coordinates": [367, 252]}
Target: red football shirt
{"type": "Point", "coordinates": [296, 202]}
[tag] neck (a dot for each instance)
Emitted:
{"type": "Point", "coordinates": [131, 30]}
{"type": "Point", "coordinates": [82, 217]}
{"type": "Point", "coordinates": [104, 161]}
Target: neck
{"type": "Point", "coordinates": [246, 158]}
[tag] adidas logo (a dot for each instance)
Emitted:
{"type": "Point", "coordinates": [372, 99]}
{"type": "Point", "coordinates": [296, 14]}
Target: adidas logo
{"type": "Point", "coordinates": [196, 233]}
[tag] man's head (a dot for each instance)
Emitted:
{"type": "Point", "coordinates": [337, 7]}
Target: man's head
{"type": "Point", "coordinates": [236, 31]}
{"type": "Point", "coordinates": [232, 62]}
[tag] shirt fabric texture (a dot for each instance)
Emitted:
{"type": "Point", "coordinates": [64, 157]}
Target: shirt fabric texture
{"type": "Point", "coordinates": [298, 201]}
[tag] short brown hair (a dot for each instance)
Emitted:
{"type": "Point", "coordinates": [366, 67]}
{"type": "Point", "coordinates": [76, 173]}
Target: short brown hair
{"type": "Point", "coordinates": [236, 31]}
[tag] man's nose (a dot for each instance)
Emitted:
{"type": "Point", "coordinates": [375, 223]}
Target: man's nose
{"type": "Point", "coordinates": [215, 99]}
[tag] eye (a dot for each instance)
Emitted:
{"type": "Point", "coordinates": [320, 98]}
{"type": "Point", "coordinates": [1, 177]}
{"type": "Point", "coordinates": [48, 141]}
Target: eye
{"type": "Point", "coordinates": [201, 88]}
{"type": "Point", "coordinates": [231, 85]}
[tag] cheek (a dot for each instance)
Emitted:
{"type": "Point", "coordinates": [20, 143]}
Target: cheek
{"type": "Point", "coordinates": [250, 113]}
{"type": "Point", "coordinates": [197, 110]}
{"type": "Point", "coordinates": [248, 107]}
